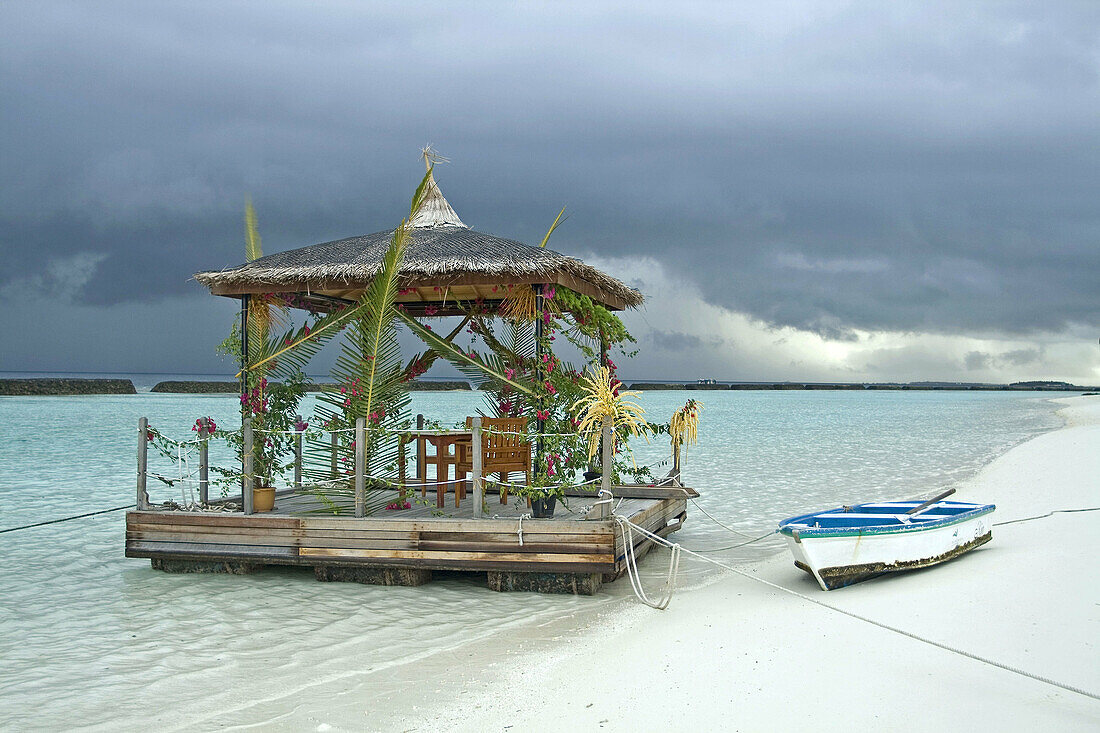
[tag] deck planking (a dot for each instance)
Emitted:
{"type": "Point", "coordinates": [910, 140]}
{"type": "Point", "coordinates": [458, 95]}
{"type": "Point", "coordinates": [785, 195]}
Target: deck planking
{"type": "Point", "coordinates": [303, 531]}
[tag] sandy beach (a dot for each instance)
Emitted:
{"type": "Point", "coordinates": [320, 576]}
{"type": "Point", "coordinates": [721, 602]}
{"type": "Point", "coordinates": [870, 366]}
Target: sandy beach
{"type": "Point", "coordinates": [738, 655]}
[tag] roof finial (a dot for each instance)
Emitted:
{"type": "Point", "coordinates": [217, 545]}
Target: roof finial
{"type": "Point", "coordinates": [431, 157]}
{"type": "Point", "coordinates": [434, 211]}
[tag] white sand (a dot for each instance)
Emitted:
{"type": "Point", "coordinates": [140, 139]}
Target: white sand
{"type": "Point", "coordinates": [737, 655]}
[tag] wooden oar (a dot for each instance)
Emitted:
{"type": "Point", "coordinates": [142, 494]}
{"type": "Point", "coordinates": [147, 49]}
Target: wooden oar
{"type": "Point", "coordinates": [930, 502]}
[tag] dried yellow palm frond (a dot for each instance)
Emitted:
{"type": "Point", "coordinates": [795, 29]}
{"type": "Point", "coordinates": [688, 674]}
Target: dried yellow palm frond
{"type": "Point", "coordinates": [520, 304]}
{"type": "Point", "coordinates": [684, 426]}
{"type": "Point", "coordinates": [600, 401]}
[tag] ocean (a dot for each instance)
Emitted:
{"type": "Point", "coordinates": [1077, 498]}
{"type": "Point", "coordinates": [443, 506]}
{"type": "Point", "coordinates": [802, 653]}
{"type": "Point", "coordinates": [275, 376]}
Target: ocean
{"type": "Point", "coordinates": [91, 639]}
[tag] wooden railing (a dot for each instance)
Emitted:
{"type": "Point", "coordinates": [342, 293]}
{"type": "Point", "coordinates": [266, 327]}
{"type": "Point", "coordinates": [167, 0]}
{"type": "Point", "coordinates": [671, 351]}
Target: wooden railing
{"type": "Point", "coordinates": [476, 480]}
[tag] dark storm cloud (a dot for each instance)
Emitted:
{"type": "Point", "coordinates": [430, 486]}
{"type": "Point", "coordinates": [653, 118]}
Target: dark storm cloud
{"type": "Point", "coordinates": [918, 167]}
{"type": "Point", "coordinates": [677, 341]}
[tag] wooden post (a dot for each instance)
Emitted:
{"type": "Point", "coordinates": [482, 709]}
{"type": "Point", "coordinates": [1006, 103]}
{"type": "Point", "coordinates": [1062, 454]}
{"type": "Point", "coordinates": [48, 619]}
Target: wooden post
{"type": "Point", "coordinates": [244, 346]}
{"type": "Point", "coordinates": [607, 442]}
{"type": "Point", "coordinates": [298, 460]}
{"type": "Point", "coordinates": [334, 467]}
{"type": "Point", "coordinates": [475, 465]}
{"type": "Point", "coordinates": [360, 461]}
{"type": "Point", "coordinates": [142, 463]}
{"type": "Point", "coordinates": [249, 469]}
{"type": "Point", "coordinates": [245, 409]}
{"type": "Point", "coordinates": [402, 470]}
{"type": "Point", "coordinates": [204, 471]}
{"type": "Point", "coordinates": [675, 473]}
{"type": "Point", "coordinates": [540, 424]}
{"type": "Point", "coordinates": [421, 455]}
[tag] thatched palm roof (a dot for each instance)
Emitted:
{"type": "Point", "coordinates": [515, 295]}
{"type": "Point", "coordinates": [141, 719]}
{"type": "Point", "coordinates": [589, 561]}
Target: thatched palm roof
{"type": "Point", "coordinates": [444, 261]}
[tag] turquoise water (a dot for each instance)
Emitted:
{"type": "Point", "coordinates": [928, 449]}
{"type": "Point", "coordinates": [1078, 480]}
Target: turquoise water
{"type": "Point", "coordinates": [88, 637]}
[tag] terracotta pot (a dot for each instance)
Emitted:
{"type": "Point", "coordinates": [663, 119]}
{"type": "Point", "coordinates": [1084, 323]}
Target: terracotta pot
{"type": "Point", "coordinates": [263, 498]}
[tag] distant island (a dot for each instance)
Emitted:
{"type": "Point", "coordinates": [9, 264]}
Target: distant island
{"type": "Point", "coordinates": [1034, 386]}
{"type": "Point", "coordinates": [64, 386]}
{"type": "Point", "coordinates": [61, 386]}
{"type": "Point", "coordinates": [198, 387]}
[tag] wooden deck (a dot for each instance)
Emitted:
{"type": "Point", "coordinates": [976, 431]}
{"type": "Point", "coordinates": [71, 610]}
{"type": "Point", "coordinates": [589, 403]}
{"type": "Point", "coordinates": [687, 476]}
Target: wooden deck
{"type": "Point", "coordinates": [569, 553]}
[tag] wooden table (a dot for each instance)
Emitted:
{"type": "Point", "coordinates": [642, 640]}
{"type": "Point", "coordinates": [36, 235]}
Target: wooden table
{"type": "Point", "coordinates": [446, 444]}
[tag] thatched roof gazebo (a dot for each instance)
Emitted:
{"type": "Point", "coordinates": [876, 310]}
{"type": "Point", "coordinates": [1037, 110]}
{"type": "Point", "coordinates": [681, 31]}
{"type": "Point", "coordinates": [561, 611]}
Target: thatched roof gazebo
{"type": "Point", "coordinates": [350, 458]}
{"type": "Point", "coordinates": [445, 261]}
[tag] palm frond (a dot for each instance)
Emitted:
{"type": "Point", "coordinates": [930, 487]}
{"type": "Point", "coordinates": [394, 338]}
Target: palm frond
{"type": "Point", "coordinates": [558, 221]}
{"type": "Point", "coordinates": [371, 376]}
{"type": "Point", "coordinates": [473, 365]}
{"type": "Point", "coordinates": [424, 361]}
{"type": "Point", "coordinates": [253, 248]}
{"type": "Point", "coordinates": [293, 349]}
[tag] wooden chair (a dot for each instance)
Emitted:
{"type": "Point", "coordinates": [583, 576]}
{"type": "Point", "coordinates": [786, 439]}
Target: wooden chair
{"type": "Point", "coordinates": [504, 450]}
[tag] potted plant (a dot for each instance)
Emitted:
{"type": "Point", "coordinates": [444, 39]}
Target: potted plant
{"type": "Point", "coordinates": [547, 485]}
{"type": "Point", "coordinates": [273, 408]}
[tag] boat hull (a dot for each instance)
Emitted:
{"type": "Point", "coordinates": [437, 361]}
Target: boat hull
{"type": "Point", "coordinates": [858, 554]}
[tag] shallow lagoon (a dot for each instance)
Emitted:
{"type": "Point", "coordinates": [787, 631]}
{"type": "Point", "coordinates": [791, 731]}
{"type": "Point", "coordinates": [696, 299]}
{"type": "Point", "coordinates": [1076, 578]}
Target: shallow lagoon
{"type": "Point", "coordinates": [91, 638]}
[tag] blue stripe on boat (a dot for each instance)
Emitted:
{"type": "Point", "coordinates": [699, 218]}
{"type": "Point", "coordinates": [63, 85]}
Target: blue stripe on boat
{"type": "Point", "coordinates": [875, 518]}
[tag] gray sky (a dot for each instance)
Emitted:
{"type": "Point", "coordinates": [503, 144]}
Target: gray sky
{"type": "Point", "coordinates": [805, 190]}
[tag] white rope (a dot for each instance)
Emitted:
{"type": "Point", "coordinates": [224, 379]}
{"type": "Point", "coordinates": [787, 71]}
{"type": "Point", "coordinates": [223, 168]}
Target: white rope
{"type": "Point", "coordinates": [716, 520]}
{"type": "Point", "coordinates": [627, 529]}
{"type": "Point", "coordinates": [523, 486]}
{"type": "Point", "coordinates": [623, 521]}
{"type": "Point", "coordinates": [182, 461]}
{"type": "Point", "coordinates": [520, 530]}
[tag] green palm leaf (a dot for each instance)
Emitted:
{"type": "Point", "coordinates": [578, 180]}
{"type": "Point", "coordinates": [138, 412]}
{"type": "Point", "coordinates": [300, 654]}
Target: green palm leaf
{"type": "Point", "coordinates": [475, 366]}
{"type": "Point", "coordinates": [371, 374]}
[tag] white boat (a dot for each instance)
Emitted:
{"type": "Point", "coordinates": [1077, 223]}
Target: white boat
{"type": "Point", "coordinates": [848, 544]}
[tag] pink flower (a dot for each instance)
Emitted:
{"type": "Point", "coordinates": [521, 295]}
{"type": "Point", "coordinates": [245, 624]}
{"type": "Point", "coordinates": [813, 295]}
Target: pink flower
{"type": "Point", "coordinates": [542, 414]}
{"type": "Point", "coordinates": [509, 373]}
{"type": "Point", "coordinates": [431, 310]}
{"type": "Point", "coordinates": [301, 426]}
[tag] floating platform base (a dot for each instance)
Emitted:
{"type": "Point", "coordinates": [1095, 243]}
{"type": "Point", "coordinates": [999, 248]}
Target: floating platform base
{"type": "Point", "coordinates": [572, 553]}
